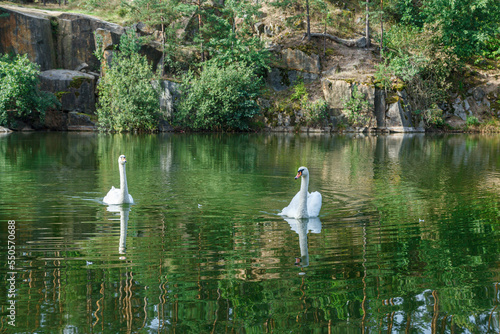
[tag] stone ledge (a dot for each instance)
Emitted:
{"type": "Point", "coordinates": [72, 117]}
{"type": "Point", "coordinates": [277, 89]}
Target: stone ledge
{"type": "Point", "coordinates": [81, 128]}
{"type": "Point", "coordinates": [404, 129]}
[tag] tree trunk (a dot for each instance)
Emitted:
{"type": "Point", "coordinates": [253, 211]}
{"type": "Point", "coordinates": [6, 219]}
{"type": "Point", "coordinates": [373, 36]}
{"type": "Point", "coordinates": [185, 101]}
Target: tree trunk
{"type": "Point", "coordinates": [308, 21]}
{"type": "Point", "coordinates": [381, 25]}
{"type": "Point", "coordinates": [199, 32]}
{"type": "Point", "coordinates": [234, 31]}
{"type": "Point", "coordinates": [367, 28]}
{"type": "Point", "coordinates": [324, 42]}
{"type": "Point", "coordinates": [162, 49]}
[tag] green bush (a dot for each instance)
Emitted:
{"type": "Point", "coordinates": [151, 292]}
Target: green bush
{"type": "Point", "coordinates": [316, 113]}
{"type": "Point", "coordinates": [127, 99]}
{"type": "Point", "coordinates": [299, 91]}
{"type": "Point", "coordinates": [356, 108]}
{"type": "Point", "coordinates": [472, 121]}
{"type": "Point", "coordinates": [221, 98]}
{"type": "Point", "coordinates": [433, 116]}
{"type": "Point", "coordinates": [20, 97]}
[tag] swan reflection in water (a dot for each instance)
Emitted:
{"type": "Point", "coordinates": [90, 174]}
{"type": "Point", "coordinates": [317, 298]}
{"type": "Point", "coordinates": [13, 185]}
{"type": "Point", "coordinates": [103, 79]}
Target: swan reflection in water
{"type": "Point", "coordinates": [302, 226]}
{"type": "Point", "coordinates": [124, 211]}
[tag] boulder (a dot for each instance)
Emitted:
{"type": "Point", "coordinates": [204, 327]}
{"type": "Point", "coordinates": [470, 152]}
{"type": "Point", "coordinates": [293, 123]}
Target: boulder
{"type": "Point", "coordinates": [397, 116]}
{"type": "Point", "coordinates": [75, 90]}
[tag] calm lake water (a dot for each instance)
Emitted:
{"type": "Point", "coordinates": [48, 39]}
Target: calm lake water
{"type": "Point", "coordinates": [408, 238]}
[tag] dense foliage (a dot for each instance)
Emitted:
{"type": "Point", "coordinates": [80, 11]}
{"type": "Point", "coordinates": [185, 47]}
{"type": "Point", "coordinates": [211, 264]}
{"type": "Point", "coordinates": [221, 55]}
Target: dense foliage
{"type": "Point", "coordinates": [423, 65]}
{"type": "Point", "coordinates": [313, 113]}
{"type": "Point", "coordinates": [424, 45]}
{"type": "Point", "coordinates": [356, 108]}
{"type": "Point", "coordinates": [466, 28]}
{"type": "Point", "coordinates": [127, 99]}
{"type": "Point", "coordinates": [221, 98]}
{"type": "Point", "coordinates": [20, 98]}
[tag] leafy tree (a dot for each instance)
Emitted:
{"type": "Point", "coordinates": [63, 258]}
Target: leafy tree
{"type": "Point", "coordinates": [466, 27]}
{"type": "Point", "coordinates": [248, 53]}
{"type": "Point", "coordinates": [20, 97]}
{"type": "Point", "coordinates": [221, 98]}
{"type": "Point", "coordinates": [163, 13]}
{"type": "Point", "coordinates": [127, 99]}
{"type": "Point", "coordinates": [210, 23]}
{"type": "Point", "coordinates": [234, 43]}
{"type": "Point", "coordinates": [421, 63]}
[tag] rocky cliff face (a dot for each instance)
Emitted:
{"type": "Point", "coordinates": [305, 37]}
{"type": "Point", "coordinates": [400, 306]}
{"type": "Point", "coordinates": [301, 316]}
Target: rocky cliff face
{"type": "Point", "coordinates": [52, 39]}
{"type": "Point", "coordinates": [27, 33]}
{"type": "Point", "coordinates": [63, 45]}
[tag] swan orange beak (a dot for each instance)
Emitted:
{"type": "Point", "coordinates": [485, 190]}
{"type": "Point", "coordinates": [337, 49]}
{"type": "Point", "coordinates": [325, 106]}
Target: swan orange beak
{"type": "Point", "coordinates": [299, 174]}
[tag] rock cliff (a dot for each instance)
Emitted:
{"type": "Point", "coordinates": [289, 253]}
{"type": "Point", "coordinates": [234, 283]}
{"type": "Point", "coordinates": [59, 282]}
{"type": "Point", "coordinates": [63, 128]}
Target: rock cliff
{"type": "Point", "coordinates": [63, 45]}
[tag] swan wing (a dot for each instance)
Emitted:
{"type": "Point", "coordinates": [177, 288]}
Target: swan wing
{"type": "Point", "coordinates": [291, 209]}
{"type": "Point", "coordinates": [130, 199]}
{"type": "Point", "coordinates": [112, 196]}
{"type": "Point", "coordinates": [314, 201]}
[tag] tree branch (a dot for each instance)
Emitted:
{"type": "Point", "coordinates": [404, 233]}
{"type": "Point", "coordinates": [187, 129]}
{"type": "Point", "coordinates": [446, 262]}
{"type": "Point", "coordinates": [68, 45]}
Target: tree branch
{"type": "Point", "coordinates": [360, 43]}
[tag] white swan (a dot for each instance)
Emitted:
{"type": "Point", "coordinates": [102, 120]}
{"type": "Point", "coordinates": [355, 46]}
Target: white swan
{"type": "Point", "coordinates": [304, 204]}
{"type": "Point", "coordinates": [119, 196]}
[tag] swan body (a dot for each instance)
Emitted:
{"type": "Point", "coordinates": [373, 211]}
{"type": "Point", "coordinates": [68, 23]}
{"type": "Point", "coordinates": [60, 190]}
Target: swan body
{"type": "Point", "coordinates": [303, 204]}
{"type": "Point", "coordinates": [119, 196]}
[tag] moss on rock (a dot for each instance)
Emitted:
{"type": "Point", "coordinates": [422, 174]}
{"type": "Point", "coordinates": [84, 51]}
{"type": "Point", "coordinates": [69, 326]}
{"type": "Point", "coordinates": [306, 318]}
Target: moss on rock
{"type": "Point", "coordinates": [77, 82]}
{"type": "Point", "coordinates": [60, 94]}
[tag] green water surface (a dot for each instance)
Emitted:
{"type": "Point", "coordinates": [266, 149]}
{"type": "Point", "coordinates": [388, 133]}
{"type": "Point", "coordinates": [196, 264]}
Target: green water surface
{"type": "Point", "coordinates": [407, 240]}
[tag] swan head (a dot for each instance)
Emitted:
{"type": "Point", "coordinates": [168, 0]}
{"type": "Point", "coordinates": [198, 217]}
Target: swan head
{"type": "Point", "coordinates": [122, 160]}
{"type": "Point", "coordinates": [303, 171]}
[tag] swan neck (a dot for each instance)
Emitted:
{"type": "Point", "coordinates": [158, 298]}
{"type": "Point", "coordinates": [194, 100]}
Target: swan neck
{"type": "Point", "coordinates": [304, 184]}
{"type": "Point", "coordinates": [302, 207]}
{"type": "Point", "coordinates": [123, 180]}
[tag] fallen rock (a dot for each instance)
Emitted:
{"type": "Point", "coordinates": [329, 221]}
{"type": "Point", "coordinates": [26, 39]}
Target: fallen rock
{"type": "Point", "coordinates": [75, 90]}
